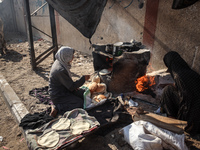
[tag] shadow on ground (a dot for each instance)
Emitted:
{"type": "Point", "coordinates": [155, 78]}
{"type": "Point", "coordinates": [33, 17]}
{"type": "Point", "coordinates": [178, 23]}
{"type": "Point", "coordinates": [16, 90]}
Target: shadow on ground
{"type": "Point", "coordinates": [12, 55]}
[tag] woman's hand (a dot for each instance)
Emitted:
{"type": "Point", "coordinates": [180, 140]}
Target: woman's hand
{"type": "Point", "coordinates": [87, 77]}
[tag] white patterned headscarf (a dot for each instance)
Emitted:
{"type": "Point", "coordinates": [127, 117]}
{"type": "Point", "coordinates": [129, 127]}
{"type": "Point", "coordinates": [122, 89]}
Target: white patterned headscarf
{"type": "Point", "coordinates": [64, 56]}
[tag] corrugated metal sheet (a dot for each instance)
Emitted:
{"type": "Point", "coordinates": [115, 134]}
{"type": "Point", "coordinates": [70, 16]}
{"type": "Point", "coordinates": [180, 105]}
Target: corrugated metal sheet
{"type": "Point", "coordinates": [84, 15]}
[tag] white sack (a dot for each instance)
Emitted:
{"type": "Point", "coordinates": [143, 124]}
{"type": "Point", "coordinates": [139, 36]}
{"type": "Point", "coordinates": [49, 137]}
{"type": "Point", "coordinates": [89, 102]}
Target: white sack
{"type": "Point", "coordinates": [139, 140]}
{"type": "Point", "coordinates": [144, 135]}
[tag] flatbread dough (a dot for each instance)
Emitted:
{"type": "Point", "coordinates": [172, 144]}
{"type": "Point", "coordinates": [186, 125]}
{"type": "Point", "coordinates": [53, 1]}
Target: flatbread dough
{"type": "Point", "coordinates": [79, 126]}
{"type": "Point", "coordinates": [61, 124]}
{"type": "Point", "coordinates": [49, 139]}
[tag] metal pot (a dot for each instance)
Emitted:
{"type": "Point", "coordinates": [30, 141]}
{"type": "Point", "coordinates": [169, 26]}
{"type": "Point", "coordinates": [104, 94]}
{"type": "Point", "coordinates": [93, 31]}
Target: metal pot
{"type": "Point", "coordinates": [109, 48]}
{"type": "Point", "coordinates": [117, 49]}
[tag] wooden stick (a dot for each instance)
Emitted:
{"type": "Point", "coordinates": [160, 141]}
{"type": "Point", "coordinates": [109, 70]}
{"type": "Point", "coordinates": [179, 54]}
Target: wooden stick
{"type": "Point", "coordinates": [174, 125]}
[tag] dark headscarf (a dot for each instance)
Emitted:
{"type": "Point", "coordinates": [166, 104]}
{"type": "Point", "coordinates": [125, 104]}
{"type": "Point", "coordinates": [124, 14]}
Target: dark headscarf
{"type": "Point", "coordinates": [187, 83]}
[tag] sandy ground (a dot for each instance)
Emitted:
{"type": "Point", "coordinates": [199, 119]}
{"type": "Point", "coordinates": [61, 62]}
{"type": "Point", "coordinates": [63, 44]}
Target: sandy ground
{"type": "Point", "coordinates": [13, 138]}
{"type": "Point", "coordinates": [15, 67]}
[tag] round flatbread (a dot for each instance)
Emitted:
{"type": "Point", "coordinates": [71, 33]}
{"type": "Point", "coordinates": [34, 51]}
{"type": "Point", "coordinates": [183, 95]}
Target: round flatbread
{"type": "Point", "coordinates": [49, 139]}
{"type": "Point", "coordinates": [96, 79]}
{"type": "Point", "coordinates": [61, 124]}
{"type": "Point", "coordinates": [79, 126]}
{"type": "Point", "coordinates": [92, 86]}
{"type": "Point", "coordinates": [101, 87]}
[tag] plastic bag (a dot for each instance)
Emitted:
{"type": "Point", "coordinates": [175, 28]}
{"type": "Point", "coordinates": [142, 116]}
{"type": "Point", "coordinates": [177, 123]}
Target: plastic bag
{"type": "Point", "coordinates": [88, 103]}
{"type": "Point", "coordinates": [86, 96]}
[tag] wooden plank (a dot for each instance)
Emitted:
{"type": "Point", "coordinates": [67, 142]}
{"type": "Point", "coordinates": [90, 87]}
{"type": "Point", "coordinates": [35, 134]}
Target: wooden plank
{"type": "Point", "coordinates": [174, 125]}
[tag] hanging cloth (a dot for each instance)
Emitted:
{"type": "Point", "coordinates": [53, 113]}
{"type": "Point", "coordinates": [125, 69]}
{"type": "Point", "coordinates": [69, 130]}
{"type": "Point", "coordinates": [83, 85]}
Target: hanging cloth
{"type": "Point", "coordinates": [179, 4]}
{"type": "Point", "coordinates": [84, 15]}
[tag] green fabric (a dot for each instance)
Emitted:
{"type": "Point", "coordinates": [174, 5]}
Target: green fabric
{"type": "Point", "coordinates": [87, 91]}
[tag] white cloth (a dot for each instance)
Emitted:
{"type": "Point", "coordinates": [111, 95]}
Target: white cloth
{"type": "Point", "coordinates": [64, 55]}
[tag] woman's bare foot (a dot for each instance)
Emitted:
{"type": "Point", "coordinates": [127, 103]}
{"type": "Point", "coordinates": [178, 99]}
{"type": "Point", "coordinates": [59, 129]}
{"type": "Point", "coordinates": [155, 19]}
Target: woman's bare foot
{"type": "Point", "coordinates": [53, 111]}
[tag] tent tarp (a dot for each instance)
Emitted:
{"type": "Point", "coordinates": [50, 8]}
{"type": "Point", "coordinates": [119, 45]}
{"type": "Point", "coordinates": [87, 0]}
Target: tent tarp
{"type": "Point", "coordinates": [179, 4]}
{"type": "Point", "coordinates": [84, 15]}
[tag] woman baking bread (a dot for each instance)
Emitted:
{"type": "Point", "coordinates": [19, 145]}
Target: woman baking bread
{"type": "Point", "coordinates": [64, 92]}
{"type": "Point", "coordinates": [182, 101]}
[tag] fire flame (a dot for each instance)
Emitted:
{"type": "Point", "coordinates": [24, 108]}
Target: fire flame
{"type": "Point", "coordinates": [144, 83]}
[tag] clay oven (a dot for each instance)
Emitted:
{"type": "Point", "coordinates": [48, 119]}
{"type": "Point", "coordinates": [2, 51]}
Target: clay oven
{"type": "Point", "coordinates": [119, 65]}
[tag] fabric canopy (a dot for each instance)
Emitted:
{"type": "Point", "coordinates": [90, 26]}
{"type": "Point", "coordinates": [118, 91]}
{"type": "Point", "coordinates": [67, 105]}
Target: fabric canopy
{"type": "Point", "coordinates": [84, 15]}
{"type": "Point", "coordinates": [179, 4]}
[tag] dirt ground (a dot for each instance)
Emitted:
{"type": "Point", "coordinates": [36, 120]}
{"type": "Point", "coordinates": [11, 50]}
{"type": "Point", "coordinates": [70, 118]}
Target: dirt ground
{"type": "Point", "coordinates": [16, 69]}
{"type": "Point", "coordinates": [11, 133]}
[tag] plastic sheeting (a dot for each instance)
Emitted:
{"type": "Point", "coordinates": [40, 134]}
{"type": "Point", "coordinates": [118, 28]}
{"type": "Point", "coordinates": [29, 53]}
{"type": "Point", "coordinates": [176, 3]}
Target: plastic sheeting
{"type": "Point", "coordinates": [84, 15]}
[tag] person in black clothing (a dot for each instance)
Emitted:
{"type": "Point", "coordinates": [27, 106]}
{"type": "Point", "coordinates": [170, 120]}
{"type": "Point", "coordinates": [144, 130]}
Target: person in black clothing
{"type": "Point", "coordinates": [182, 101]}
{"type": "Point", "coordinates": [64, 92]}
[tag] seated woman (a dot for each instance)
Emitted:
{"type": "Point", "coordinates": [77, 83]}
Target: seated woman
{"type": "Point", "coordinates": [182, 101]}
{"type": "Point", "coordinates": [64, 92]}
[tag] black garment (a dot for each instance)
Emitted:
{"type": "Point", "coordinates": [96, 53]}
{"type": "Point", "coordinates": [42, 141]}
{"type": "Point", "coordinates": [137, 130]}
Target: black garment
{"type": "Point", "coordinates": [63, 90]}
{"type": "Point", "coordinates": [42, 94]}
{"type": "Point", "coordinates": [187, 83]}
{"type": "Point", "coordinates": [170, 101]}
{"type": "Point", "coordinates": [110, 115]}
{"type": "Point", "coordinates": [76, 102]}
{"type": "Point", "coordinates": [33, 121]}
{"type": "Point", "coordinates": [60, 82]}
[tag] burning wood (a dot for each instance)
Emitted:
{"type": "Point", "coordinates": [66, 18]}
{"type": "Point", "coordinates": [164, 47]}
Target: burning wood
{"type": "Point", "coordinates": [143, 98]}
{"type": "Point", "coordinates": [151, 86]}
{"type": "Point", "coordinates": [144, 83]}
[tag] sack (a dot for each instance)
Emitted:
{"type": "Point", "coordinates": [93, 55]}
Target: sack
{"type": "Point", "coordinates": [145, 135]}
{"type": "Point", "coordinates": [179, 4]}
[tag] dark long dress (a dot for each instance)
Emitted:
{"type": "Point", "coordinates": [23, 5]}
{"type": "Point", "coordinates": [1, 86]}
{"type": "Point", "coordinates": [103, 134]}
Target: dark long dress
{"type": "Point", "coordinates": [183, 100]}
{"type": "Point", "coordinates": [63, 90]}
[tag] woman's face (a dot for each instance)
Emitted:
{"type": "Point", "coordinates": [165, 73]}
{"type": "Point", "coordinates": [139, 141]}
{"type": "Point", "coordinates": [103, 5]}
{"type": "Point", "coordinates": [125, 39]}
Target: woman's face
{"type": "Point", "coordinates": [71, 60]}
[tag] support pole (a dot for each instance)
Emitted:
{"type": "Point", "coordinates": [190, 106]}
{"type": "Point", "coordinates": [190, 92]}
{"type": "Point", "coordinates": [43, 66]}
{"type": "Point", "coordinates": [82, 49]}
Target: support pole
{"type": "Point", "coordinates": [53, 29]}
{"type": "Point", "coordinates": [30, 34]}
{"type": "Point", "coordinates": [14, 15]}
